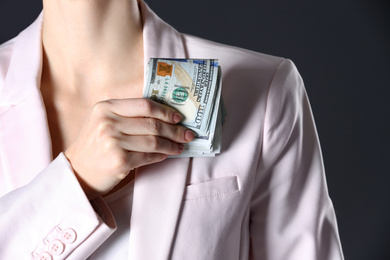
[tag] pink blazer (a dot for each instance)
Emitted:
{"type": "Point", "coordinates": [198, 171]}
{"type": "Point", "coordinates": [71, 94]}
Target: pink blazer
{"type": "Point", "coordinates": [263, 197]}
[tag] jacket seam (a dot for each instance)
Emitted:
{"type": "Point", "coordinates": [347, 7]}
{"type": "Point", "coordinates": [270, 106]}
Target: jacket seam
{"type": "Point", "coordinates": [11, 106]}
{"type": "Point", "coordinates": [265, 116]}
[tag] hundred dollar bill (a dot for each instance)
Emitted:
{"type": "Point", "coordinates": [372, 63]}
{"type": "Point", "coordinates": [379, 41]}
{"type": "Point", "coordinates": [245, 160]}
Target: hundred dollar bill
{"type": "Point", "coordinates": [193, 87]}
{"type": "Point", "coordinates": [205, 147]}
{"type": "Point", "coordinates": [187, 85]}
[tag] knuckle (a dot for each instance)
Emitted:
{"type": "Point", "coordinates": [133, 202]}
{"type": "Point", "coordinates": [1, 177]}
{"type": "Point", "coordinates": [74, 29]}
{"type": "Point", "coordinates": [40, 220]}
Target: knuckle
{"type": "Point", "coordinates": [101, 107]}
{"type": "Point", "coordinates": [166, 113]}
{"type": "Point", "coordinates": [153, 142]}
{"type": "Point", "coordinates": [105, 128]}
{"type": "Point", "coordinates": [111, 144]}
{"type": "Point", "coordinates": [119, 162]}
{"type": "Point", "coordinates": [146, 106]}
{"type": "Point", "coordinates": [179, 131]}
{"type": "Point", "coordinates": [153, 125]}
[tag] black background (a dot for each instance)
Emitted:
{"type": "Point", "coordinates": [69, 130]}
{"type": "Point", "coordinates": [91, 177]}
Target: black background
{"type": "Point", "coordinates": [342, 50]}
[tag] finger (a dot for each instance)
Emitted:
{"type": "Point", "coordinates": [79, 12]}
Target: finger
{"type": "Point", "coordinates": [138, 159]}
{"type": "Point", "coordinates": [140, 107]}
{"type": "Point", "coordinates": [150, 144]}
{"type": "Point", "coordinates": [152, 126]}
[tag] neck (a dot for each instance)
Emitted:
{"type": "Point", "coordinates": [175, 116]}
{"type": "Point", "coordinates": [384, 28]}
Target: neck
{"type": "Point", "coordinates": [92, 43]}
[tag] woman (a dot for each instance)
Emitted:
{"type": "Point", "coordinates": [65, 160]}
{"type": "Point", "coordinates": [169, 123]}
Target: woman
{"type": "Point", "coordinates": [84, 172]}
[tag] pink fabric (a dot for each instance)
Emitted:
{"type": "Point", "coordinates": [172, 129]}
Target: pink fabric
{"type": "Point", "coordinates": [263, 197]}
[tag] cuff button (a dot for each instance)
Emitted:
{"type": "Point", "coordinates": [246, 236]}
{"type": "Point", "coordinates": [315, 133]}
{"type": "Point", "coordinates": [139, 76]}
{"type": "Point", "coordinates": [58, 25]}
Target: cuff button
{"type": "Point", "coordinates": [56, 247]}
{"type": "Point", "coordinates": [44, 256]}
{"type": "Point", "coordinates": [68, 236]}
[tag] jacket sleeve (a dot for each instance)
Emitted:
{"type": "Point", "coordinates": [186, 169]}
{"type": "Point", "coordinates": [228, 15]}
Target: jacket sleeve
{"type": "Point", "coordinates": [52, 217]}
{"type": "Point", "coordinates": [292, 216]}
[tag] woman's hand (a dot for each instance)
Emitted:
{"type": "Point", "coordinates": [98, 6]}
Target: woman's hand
{"type": "Point", "coordinates": [121, 135]}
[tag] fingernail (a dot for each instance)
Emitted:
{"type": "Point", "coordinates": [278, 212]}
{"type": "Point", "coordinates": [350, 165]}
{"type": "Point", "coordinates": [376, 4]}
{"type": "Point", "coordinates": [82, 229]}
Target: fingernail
{"type": "Point", "coordinates": [181, 148]}
{"type": "Point", "coordinates": [176, 117]}
{"type": "Point", "coordinates": [189, 135]}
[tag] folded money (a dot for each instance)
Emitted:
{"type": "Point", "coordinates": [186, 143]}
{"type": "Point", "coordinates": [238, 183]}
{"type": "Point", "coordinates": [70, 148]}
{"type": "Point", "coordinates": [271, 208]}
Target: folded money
{"type": "Point", "coordinates": [193, 87]}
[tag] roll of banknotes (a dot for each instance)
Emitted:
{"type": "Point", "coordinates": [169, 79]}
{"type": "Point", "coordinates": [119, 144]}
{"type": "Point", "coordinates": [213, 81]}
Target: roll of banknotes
{"type": "Point", "coordinates": [193, 87]}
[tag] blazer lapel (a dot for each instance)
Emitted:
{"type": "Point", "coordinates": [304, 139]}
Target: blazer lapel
{"type": "Point", "coordinates": [158, 193]}
{"type": "Point", "coordinates": [160, 39]}
{"type": "Point", "coordinates": [158, 188]}
{"type": "Point", "coordinates": [24, 134]}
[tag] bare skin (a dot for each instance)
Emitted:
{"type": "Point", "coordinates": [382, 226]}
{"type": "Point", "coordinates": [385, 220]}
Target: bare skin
{"type": "Point", "coordinates": [92, 80]}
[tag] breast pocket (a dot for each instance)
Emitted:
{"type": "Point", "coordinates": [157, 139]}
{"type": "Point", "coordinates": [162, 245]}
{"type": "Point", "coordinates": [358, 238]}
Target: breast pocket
{"type": "Point", "coordinates": [216, 187]}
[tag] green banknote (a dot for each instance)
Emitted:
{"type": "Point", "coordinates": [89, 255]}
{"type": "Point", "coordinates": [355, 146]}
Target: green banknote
{"type": "Point", "coordinates": [193, 87]}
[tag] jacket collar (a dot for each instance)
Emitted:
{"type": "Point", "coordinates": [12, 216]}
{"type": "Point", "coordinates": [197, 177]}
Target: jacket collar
{"type": "Point", "coordinates": [24, 71]}
{"type": "Point", "coordinates": [160, 39]}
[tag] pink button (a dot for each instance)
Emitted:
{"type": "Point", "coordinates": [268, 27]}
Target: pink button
{"type": "Point", "coordinates": [68, 236]}
{"type": "Point", "coordinates": [56, 247]}
{"type": "Point", "coordinates": [44, 256]}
